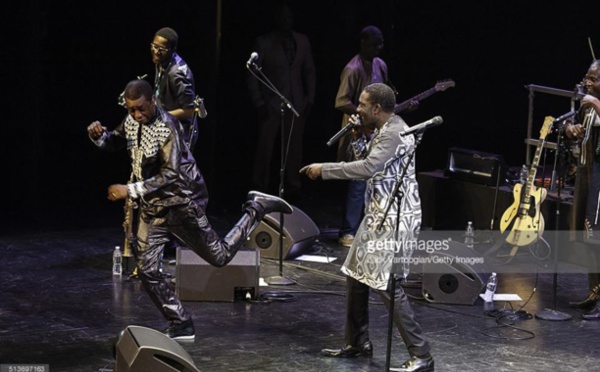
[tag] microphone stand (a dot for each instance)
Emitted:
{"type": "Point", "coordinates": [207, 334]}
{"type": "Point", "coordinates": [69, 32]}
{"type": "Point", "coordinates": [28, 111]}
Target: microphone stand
{"type": "Point", "coordinates": [260, 76]}
{"type": "Point", "coordinates": [396, 195]}
{"type": "Point", "coordinates": [552, 314]}
{"type": "Point", "coordinates": [496, 191]}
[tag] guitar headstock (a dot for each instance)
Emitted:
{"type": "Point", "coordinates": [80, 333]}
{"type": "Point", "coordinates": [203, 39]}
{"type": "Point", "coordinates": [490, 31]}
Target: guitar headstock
{"type": "Point", "coordinates": [443, 85]}
{"type": "Point", "coordinates": [547, 126]}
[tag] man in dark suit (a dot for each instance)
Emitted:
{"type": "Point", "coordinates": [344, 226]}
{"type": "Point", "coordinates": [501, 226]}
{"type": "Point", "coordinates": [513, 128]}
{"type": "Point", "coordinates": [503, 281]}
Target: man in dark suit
{"type": "Point", "coordinates": [285, 58]}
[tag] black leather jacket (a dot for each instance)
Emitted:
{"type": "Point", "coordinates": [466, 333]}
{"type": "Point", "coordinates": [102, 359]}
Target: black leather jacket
{"type": "Point", "coordinates": [164, 171]}
{"type": "Point", "coordinates": [175, 88]}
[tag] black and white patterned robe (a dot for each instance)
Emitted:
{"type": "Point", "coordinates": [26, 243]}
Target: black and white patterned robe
{"type": "Point", "coordinates": [381, 162]}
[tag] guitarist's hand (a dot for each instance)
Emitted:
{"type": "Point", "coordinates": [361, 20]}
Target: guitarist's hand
{"type": "Point", "coordinates": [412, 105]}
{"type": "Point", "coordinates": [574, 131]}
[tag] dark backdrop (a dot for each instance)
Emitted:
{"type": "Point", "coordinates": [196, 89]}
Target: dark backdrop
{"type": "Point", "coordinates": [65, 63]}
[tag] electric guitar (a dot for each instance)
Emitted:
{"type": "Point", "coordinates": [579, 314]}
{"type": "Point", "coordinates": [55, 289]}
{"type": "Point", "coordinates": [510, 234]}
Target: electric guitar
{"type": "Point", "coordinates": [525, 211]}
{"type": "Point", "coordinates": [439, 87]}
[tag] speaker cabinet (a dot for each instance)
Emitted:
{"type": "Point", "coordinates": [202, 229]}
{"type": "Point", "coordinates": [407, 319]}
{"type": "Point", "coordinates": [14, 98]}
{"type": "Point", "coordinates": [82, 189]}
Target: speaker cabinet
{"type": "Point", "coordinates": [299, 233]}
{"type": "Point", "coordinates": [475, 166]}
{"type": "Point", "coordinates": [197, 280]}
{"type": "Point", "coordinates": [455, 276]}
{"type": "Point", "coordinates": [141, 349]}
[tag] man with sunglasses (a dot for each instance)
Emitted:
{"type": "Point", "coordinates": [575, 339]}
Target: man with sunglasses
{"type": "Point", "coordinates": [174, 83]}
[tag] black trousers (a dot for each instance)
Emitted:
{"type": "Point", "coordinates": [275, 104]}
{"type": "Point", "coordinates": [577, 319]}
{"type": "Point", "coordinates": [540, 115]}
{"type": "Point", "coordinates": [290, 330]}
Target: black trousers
{"type": "Point", "coordinates": [357, 317]}
{"type": "Point", "coordinates": [190, 227]}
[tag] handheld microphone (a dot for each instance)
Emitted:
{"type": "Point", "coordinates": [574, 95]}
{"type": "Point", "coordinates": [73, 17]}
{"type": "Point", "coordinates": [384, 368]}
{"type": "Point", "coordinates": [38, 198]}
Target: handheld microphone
{"type": "Point", "coordinates": [253, 57]}
{"type": "Point", "coordinates": [433, 122]}
{"type": "Point", "coordinates": [342, 133]}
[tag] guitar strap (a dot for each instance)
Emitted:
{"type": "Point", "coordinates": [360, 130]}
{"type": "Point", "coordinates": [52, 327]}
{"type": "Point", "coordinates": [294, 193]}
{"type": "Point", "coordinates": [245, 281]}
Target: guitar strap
{"type": "Point", "coordinates": [596, 131]}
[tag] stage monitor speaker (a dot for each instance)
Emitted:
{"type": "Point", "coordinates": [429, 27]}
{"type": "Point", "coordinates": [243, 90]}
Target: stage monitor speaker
{"type": "Point", "coordinates": [197, 280]}
{"type": "Point", "coordinates": [455, 276]}
{"type": "Point", "coordinates": [141, 349]}
{"type": "Point", "coordinates": [476, 166]}
{"type": "Point", "coordinates": [299, 233]}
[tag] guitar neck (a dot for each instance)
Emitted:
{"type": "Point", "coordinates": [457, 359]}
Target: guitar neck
{"type": "Point", "coordinates": [404, 105]}
{"type": "Point", "coordinates": [533, 168]}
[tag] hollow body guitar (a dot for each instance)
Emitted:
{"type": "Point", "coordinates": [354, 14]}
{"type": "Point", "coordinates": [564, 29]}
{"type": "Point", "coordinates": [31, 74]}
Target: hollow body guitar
{"type": "Point", "coordinates": [524, 214]}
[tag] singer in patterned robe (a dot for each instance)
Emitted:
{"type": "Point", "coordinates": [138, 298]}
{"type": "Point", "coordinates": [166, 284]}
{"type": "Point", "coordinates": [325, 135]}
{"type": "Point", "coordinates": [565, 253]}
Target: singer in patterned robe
{"type": "Point", "coordinates": [368, 265]}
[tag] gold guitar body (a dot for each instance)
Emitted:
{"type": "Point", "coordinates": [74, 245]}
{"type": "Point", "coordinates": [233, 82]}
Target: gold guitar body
{"type": "Point", "coordinates": [528, 224]}
{"type": "Point", "coordinates": [524, 213]}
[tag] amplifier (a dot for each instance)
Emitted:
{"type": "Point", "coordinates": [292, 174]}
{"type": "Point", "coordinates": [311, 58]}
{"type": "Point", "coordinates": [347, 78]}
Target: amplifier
{"type": "Point", "coordinates": [476, 166]}
{"type": "Point", "coordinates": [197, 280]}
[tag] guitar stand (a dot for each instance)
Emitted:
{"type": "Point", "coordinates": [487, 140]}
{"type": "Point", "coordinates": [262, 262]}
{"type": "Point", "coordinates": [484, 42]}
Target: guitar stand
{"type": "Point", "coordinates": [501, 243]}
{"type": "Point", "coordinates": [513, 251]}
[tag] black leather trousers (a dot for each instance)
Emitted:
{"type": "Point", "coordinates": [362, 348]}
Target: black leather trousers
{"type": "Point", "coordinates": [357, 317]}
{"type": "Point", "coordinates": [190, 227]}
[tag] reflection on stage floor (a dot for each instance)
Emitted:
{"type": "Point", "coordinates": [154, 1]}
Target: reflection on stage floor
{"type": "Point", "coordinates": [62, 307]}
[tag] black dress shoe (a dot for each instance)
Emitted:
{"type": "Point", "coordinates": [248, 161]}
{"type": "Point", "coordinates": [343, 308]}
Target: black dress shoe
{"type": "Point", "coordinates": [586, 304]}
{"type": "Point", "coordinates": [349, 351]}
{"type": "Point", "coordinates": [590, 301]}
{"type": "Point", "coordinates": [416, 364]}
{"type": "Point", "coordinates": [592, 315]}
{"type": "Point", "coordinates": [270, 203]}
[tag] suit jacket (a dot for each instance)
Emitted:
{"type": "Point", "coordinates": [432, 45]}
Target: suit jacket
{"type": "Point", "coordinates": [296, 81]}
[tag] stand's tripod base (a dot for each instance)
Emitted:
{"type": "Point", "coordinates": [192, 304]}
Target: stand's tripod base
{"type": "Point", "coordinates": [278, 280]}
{"type": "Point", "coordinates": [548, 314]}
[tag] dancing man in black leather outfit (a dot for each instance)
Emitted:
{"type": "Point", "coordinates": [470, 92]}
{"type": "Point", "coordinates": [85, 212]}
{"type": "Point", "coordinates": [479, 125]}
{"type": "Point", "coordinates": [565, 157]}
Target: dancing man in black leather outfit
{"type": "Point", "coordinates": [172, 197]}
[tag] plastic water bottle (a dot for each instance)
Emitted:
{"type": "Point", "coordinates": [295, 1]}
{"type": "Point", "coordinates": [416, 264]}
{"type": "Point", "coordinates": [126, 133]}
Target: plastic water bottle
{"type": "Point", "coordinates": [470, 235]}
{"type": "Point", "coordinates": [490, 288]}
{"type": "Point", "coordinates": [117, 268]}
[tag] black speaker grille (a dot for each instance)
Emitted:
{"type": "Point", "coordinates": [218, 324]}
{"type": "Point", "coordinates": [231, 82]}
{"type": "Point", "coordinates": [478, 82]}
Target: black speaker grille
{"type": "Point", "coordinates": [448, 283]}
{"type": "Point", "coordinates": [263, 240]}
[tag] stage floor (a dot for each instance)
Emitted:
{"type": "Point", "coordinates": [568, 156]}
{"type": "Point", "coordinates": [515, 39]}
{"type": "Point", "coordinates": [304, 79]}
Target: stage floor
{"type": "Point", "coordinates": [62, 307]}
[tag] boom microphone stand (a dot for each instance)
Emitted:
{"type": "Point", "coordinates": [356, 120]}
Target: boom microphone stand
{"type": "Point", "coordinates": [552, 314]}
{"type": "Point", "coordinates": [257, 72]}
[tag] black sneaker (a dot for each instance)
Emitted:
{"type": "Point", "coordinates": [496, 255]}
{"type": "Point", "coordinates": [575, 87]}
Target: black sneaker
{"type": "Point", "coordinates": [181, 331]}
